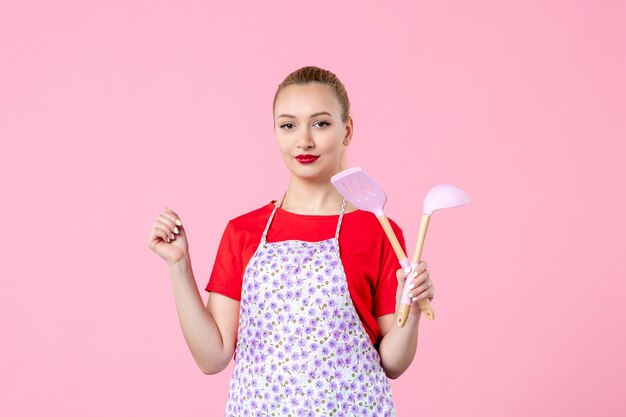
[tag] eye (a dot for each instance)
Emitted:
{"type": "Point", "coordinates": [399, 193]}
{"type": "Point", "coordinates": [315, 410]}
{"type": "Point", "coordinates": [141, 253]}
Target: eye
{"type": "Point", "coordinates": [321, 123]}
{"type": "Point", "coordinates": [287, 126]}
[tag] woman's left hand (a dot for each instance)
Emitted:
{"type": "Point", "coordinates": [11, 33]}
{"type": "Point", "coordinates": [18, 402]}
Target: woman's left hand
{"type": "Point", "coordinates": [422, 287]}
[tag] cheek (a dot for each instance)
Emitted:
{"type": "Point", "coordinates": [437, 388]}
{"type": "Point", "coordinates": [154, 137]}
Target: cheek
{"type": "Point", "coordinates": [333, 140]}
{"type": "Point", "coordinates": [283, 145]}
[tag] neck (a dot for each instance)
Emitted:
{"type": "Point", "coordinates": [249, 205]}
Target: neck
{"type": "Point", "coordinates": [316, 198]}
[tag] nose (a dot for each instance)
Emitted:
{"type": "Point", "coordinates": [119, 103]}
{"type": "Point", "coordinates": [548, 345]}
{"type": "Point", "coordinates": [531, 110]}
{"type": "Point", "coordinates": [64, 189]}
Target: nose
{"type": "Point", "coordinates": [305, 140]}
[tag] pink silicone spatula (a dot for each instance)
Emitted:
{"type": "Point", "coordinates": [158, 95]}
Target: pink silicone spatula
{"type": "Point", "coordinates": [438, 197]}
{"type": "Point", "coordinates": [361, 190]}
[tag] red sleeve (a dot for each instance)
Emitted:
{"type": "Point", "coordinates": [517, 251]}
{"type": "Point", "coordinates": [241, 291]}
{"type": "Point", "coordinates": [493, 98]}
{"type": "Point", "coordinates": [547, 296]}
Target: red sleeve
{"type": "Point", "coordinates": [384, 301]}
{"type": "Point", "coordinates": [227, 275]}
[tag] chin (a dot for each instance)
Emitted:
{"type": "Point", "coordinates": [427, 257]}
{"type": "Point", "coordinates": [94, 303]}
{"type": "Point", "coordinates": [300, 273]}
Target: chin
{"type": "Point", "coordinates": [313, 173]}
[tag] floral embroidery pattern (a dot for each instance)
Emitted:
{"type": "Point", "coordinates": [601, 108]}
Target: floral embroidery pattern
{"type": "Point", "coordinates": [301, 349]}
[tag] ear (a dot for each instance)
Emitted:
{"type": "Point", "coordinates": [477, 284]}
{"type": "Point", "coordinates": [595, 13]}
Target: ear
{"type": "Point", "coordinates": [349, 130]}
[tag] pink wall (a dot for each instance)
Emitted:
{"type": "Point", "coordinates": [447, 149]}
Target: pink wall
{"type": "Point", "coordinates": [111, 110]}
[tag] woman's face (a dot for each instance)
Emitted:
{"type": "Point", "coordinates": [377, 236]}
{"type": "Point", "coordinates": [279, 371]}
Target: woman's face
{"type": "Point", "coordinates": [310, 134]}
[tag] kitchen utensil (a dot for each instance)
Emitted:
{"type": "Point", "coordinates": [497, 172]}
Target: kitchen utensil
{"type": "Point", "coordinates": [438, 197]}
{"type": "Point", "coordinates": [361, 190]}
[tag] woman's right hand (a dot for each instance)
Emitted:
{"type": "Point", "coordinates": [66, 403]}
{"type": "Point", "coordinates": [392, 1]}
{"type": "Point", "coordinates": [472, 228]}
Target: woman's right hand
{"type": "Point", "coordinates": [168, 238]}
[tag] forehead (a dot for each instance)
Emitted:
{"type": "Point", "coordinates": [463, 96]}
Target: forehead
{"type": "Point", "coordinates": [304, 99]}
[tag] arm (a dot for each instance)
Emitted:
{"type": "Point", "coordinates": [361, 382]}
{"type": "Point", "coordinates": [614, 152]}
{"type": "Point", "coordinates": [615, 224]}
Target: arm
{"type": "Point", "coordinates": [211, 331]}
{"type": "Point", "coordinates": [399, 344]}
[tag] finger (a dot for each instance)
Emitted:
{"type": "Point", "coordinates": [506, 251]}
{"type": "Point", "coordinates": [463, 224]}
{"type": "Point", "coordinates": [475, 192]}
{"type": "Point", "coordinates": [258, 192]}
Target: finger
{"type": "Point", "coordinates": [412, 277]}
{"type": "Point", "coordinates": [423, 266]}
{"type": "Point", "coordinates": [430, 295]}
{"type": "Point", "coordinates": [168, 221]}
{"type": "Point", "coordinates": [421, 288]}
{"type": "Point", "coordinates": [159, 224]}
{"type": "Point", "coordinates": [426, 290]}
{"type": "Point", "coordinates": [401, 275]}
{"type": "Point", "coordinates": [159, 234]}
{"type": "Point", "coordinates": [421, 278]}
{"type": "Point", "coordinates": [418, 285]}
{"type": "Point", "coordinates": [418, 279]}
{"type": "Point", "coordinates": [174, 217]}
{"type": "Point", "coordinates": [161, 230]}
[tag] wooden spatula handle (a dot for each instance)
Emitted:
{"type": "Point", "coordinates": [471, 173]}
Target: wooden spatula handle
{"type": "Point", "coordinates": [395, 244]}
{"type": "Point", "coordinates": [403, 313]}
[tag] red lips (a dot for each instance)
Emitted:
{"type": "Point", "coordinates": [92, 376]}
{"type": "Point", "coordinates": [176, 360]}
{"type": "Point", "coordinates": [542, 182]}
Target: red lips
{"type": "Point", "coordinates": [306, 159]}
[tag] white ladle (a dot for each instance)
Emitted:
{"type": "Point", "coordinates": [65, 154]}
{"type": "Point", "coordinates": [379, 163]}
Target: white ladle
{"type": "Point", "coordinates": [440, 196]}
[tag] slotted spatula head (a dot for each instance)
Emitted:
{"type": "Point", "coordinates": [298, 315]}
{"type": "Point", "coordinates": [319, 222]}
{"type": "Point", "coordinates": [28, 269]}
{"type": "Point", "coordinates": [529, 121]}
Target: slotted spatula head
{"type": "Point", "coordinates": [360, 189]}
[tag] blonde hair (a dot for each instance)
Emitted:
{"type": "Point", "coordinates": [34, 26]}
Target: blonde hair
{"type": "Point", "coordinates": [312, 74]}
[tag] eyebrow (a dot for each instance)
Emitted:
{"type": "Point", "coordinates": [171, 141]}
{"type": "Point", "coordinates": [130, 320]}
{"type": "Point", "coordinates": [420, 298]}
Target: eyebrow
{"type": "Point", "coordinates": [313, 115]}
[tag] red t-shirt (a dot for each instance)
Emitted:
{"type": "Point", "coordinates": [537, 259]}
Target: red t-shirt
{"type": "Point", "coordinates": [367, 256]}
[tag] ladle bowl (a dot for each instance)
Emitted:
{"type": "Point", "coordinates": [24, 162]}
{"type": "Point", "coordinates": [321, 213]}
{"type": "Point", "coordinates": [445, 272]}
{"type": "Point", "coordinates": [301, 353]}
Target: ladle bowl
{"type": "Point", "coordinates": [443, 196]}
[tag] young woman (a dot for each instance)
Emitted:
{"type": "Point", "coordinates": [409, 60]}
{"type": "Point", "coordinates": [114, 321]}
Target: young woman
{"type": "Point", "coordinates": [304, 289]}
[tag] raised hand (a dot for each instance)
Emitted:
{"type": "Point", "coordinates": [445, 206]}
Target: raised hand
{"type": "Point", "coordinates": [168, 238]}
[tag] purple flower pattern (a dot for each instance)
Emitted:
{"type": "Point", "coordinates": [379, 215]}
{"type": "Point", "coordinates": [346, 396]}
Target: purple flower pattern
{"type": "Point", "coordinates": [317, 360]}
